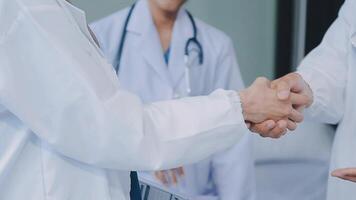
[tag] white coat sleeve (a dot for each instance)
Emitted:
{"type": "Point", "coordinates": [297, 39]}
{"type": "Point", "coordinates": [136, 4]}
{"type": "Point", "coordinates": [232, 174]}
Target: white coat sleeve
{"type": "Point", "coordinates": [325, 69]}
{"type": "Point", "coordinates": [233, 169]}
{"type": "Point", "coordinates": [70, 99]}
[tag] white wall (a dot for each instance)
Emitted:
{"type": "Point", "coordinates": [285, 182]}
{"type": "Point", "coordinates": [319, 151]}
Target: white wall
{"type": "Point", "coordinates": [250, 23]}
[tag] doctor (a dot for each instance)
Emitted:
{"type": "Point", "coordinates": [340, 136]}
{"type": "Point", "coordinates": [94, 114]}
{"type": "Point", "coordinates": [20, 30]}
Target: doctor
{"type": "Point", "coordinates": [69, 131]}
{"type": "Point", "coordinates": [328, 77]}
{"type": "Point", "coordinates": [147, 42]}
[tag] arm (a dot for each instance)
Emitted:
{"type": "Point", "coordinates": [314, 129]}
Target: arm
{"type": "Point", "coordinates": [325, 69]}
{"type": "Point", "coordinates": [72, 103]}
{"type": "Point", "coordinates": [70, 98]}
{"type": "Point", "coordinates": [54, 80]}
{"type": "Point", "coordinates": [323, 74]}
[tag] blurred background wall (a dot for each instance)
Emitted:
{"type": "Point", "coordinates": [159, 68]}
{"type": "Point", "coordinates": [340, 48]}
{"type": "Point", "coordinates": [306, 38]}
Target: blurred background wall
{"type": "Point", "coordinates": [250, 23]}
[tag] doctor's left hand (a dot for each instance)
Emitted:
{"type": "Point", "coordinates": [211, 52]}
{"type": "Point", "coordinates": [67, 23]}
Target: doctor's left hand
{"type": "Point", "coordinates": [348, 174]}
{"type": "Point", "coordinates": [170, 177]}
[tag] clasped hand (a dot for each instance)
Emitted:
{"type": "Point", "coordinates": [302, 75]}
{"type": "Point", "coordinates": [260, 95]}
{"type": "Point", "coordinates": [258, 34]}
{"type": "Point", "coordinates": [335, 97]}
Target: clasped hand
{"type": "Point", "coordinates": [271, 108]}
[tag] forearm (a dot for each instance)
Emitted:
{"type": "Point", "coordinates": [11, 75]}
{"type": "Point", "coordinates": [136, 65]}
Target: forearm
{"type": "Point", "coordinates": [71, 100]}
{"type": "Point", "coordinates": [204, 129]}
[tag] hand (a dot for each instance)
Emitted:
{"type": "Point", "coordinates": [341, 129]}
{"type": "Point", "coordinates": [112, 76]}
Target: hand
{"type": "Point", "coordinates": [170, 177]}
{"type": "Point", "coordinates": [293, 83]}
{"type": "Point", "coordinates": [285, 86]}
{"type": "Point", "coordinates": [260, 103]}
{"type": "Point", "coordinates": [348, 174]}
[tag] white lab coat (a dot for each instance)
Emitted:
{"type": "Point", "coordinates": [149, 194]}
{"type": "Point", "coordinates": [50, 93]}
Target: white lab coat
{"type": "Point", "coordinates": [331, 72]}
{"type": "Point", "coordinates": [68, 130]}
{"type": "Point", "coordinates": [298, 163]}
{"type": "Point", "coordinates": [227, 175]}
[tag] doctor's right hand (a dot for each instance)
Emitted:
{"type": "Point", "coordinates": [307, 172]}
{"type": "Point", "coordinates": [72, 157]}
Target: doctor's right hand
{"type": "Point", "coordinates": [262, 104]}
{"type": "Point", "coordinates": [170, 177]}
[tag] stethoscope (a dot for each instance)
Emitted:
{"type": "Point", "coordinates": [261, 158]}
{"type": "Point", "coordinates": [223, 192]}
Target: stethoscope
{"type": "Point", "coordinates": [191, 41]}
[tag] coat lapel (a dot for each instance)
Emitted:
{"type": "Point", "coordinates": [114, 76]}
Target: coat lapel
{"type": "Point", "coordinates": [153, 54]}
{"type": "Point", "coordinates": [182, 32]}
{"type": "Point", "coordinates": [149, 45]}
{"type": "Point", "coordinates": [80, 19]}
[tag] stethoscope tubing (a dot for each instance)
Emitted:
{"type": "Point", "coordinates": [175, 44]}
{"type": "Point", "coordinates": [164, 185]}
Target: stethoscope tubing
{"type": "Point", "coordinates": [123, 39]}
{"type": "Point", "coordinates": [191, 41]}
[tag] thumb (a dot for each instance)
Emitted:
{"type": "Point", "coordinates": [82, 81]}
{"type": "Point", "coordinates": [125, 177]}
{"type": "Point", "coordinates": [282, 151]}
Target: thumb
{"type": "Point", "coordinates": [289, 83]}
{"type": "Point", "coordinates": [283, 90]}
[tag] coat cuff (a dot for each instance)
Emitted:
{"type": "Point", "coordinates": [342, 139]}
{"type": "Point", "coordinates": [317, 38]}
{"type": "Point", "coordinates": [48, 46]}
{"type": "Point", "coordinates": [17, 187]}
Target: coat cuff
{"type": "Point", "coordinates": [236, 105]}
{"type": "Point", "coordinates": [315, 108]}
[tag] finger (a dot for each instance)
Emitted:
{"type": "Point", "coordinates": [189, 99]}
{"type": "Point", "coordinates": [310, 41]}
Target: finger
{"type": "Point", "coordinates": [296, 116]}
{"type": "Point", "coordinates": [291, 125]}
{"type": "Point", "coordinates": [299, 108]}
{"type": "Point", "coordinates": [160, 175]}
{"type": "Point", "coordinates": [299, 99]}
{"type": "Point", "coordinates": [283, 90]}
{"type": "Point", "coordinates": [174, 176]}
{"type": "Point", "coordinates": [279, 130]}
{"type": "Point", "coordinates": [344, 172]}
{"type": "Point", "coordinates": [282, 124]}
{"type": "Point", "coordinates": [294, 80]}
{"type": "Point", "coordinates": [180, 171]}
{"type": "Point", "coordinates": [263, 128]}
{"type": "Point", "coordinates": [262, 81]}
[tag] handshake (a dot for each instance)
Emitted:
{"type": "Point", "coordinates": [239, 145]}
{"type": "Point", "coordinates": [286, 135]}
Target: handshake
{"type": "Point", "coordinates": [271, 108]}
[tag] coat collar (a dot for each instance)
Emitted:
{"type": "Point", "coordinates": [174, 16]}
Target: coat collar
{"type": "Point", "coordinates": [142, 24]}
{"type": "Point", "coordinates": [79, 17]}
{"type": "Point", "coordinates": [141, 19]}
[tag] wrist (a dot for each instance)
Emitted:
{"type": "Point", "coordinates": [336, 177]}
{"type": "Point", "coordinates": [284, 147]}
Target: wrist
{"type": "Point", "coordinates": [245, 104]}
{"type": "Point", "coordinates": [310, 94]}
{"type": "Point", "coordinates": [308, 91]}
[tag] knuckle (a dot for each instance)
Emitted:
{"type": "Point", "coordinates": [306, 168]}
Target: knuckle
{"type": "Point", "coordinates": [306, 99]}
{"type": "Point", "coordinates": [292, 128]}
{"type": "Point", "coordinates": [299, 119]}
{"type": "Point", "coordinates": [294, 75]}
{"type": "Point", "coordinates": [290, 76]}
{"type": "Point", "coordinates": [286, 111]}
{"type": "Point", "coordinates": [282, 83]}
{"type": "Point", "coordinates": [278, 132]}
{"type": "Point", "coordinates": [261, 79]}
